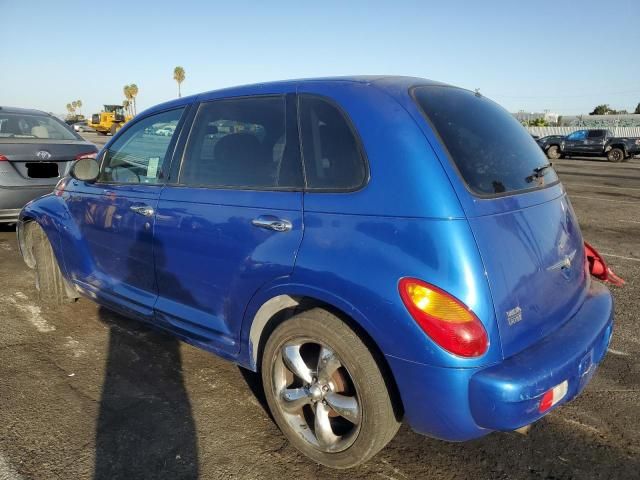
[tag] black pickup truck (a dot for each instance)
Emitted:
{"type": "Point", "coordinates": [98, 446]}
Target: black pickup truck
{"type": "Point", "coordinates": [598, 143]}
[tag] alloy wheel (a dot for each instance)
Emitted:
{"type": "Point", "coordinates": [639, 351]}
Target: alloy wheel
{"type": "Point", "coordinates": [316, 394]}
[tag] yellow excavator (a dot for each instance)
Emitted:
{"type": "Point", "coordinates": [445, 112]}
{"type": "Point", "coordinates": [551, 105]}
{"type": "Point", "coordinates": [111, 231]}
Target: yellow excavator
{"type": "Point", "coordinates": [109, 120]}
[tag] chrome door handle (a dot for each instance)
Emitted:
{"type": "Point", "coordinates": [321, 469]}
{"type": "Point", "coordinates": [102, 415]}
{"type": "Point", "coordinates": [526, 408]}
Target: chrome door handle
{"type": "Point", "coordinates": [144, 210]}
{"type": "Point", "coordinates": [272, 223]}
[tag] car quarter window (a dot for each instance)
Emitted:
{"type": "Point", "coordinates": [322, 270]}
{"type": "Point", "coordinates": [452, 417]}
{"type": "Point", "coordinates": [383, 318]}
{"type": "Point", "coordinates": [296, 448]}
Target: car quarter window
{"type": "Point", "coordinates": [596, 133]}
{"type": "Point", "coordinates": [332, 157]}
{"type": "Point", "coordinates": [245, 143]}
{"type": "Point", "coordinates": [140, 153]}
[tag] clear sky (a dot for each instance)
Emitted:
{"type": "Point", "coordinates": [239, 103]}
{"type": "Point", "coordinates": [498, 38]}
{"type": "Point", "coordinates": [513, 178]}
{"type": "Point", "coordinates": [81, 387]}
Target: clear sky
{"type": "Point", "coordinates": [565, 56]}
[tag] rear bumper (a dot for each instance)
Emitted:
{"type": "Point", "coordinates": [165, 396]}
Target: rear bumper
{"type": "Point", "coordinates": [12, 199]}
{"type": "Point", "coordinates": [460, 404]}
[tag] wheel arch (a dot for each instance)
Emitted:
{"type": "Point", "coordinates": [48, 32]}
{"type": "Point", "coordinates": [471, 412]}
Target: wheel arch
{"type": "Point", "coordinates": [283, 306]}
{"type": "Point", "coordinates": [621, 146]}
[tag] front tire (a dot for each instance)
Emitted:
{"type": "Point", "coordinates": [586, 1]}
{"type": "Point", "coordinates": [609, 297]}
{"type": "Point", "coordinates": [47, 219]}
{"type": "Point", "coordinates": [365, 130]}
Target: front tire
{"type": "Point", "coordinates": [553, 152]}
{"type": "Point", "coordinates": [615, 155]}
{"type": "Point", "coordinates": [51, 285]}
{"type": "Point", "coordinates": [325, 390]}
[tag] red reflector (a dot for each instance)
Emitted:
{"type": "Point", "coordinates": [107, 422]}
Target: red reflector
{"type": "Point", "coordinates": [553, 396]}
{"type": "Point", "coordinates": [3, 158]}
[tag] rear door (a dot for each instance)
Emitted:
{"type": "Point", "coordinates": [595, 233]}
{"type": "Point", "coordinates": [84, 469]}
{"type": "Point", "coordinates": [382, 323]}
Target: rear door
{"type": "Point", "coordinates": [524, 226]}
{"type": "Point", "coordinates": [115, 216]}
{"type": "Point", "coordinates": [595, 141]}
{"type": "Point", "coordinates": [233, 220]}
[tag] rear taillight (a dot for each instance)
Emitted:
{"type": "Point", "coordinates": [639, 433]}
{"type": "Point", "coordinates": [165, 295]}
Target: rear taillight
{"type": "Point", "coordinates": [3, 158]}
{"type": "Point", "coordinates": [444, 318]}
{"type": "Point", "coordinates": [87, 155]}
{"type": "Point", "coordinates": [598, 267]}
{"type": "Point", "coordinates": [553, 396]}
{"type": "Point", "coordinates": [60, 186]}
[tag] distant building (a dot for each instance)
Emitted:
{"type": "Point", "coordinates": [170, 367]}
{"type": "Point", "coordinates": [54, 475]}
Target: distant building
{"type": "Point", "coordinates": [525, 117]}
{"type": "Point", "coordinates": [601, 121]}
{"type": "Point", "coordinates": [583, 121]}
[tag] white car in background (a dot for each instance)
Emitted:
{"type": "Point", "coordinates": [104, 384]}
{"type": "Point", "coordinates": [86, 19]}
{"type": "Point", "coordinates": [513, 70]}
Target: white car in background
{"type": "Point", "coordinates": [165, 131]}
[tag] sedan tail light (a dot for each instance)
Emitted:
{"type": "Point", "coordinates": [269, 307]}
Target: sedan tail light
{"type": "Point", "coordinates": [87, 155]}
{"type": "Point", "coordinates": [444, 318]}
{"type": "Point", "coordinates": [3, 158]}
{"type": "Point", "coordinates": [598, 267]}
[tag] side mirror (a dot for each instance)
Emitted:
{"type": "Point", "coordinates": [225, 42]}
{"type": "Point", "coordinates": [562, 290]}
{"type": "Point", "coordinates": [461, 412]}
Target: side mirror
{"type": "Point", "coordinates": [85, 169]}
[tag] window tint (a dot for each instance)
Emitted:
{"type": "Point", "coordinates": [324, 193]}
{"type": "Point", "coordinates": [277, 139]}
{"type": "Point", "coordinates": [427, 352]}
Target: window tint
{"type": "Point", "coordinates": [243, 142]}
{"type": "Point", "coordinates": [579, 135]}
{"type": "Point", "coordinates": [140, 153]}
{"type": "Point", "coordinates": [330, 150]}
{"type": "Point", "coordinates": [19, 125]}
{"type": "Point", "coordinates": [596, 133]}
{"type": "Point", "coordinates": [493, 152]}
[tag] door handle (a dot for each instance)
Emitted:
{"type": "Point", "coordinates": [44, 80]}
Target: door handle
{"type": "Point", "coordinates": [144, 210]}
{"type": "Point", "coordinates": [272, 223]}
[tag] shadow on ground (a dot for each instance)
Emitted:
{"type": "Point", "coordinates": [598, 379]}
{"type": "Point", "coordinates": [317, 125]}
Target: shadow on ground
{"type": "Point", "coordinates": [145, 427]}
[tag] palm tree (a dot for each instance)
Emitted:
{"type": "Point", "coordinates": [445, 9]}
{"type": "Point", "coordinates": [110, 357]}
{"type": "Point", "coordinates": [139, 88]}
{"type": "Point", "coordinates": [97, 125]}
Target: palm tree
{"type": "Point", "coordinates": [74, 105]}
{"type": "Point", "coordinates": [127, 95]}
{"type": "Point", "coordinates": [69, 108]}
{"type": "Point", "coordinates": [179, 76]}
{"type": "Point", "coordinates": [133, 91]}
{"type": "Point", "coordinates": [79, 105]}
{"type": "Point", "coordinates": [126, 105]}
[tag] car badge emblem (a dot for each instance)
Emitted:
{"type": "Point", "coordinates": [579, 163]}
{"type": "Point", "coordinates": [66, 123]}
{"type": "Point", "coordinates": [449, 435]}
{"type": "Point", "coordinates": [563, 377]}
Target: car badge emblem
{"type": "Point", "coordinates": [43, 155]}
{"type": "Point", "coordinates": [514, 316]}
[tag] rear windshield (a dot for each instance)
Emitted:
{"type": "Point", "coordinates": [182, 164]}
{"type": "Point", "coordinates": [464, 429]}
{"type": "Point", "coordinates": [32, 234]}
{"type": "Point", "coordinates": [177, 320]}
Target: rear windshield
{"type": "Point", "coordinates": [493, 152]}
{"type": "Point", "coordinates": [20, 125]}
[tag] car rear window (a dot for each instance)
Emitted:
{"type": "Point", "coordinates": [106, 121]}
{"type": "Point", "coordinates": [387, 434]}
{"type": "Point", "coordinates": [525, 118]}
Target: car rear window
{"type": "Point", "coordinates": [20, 125]}
{"type": "Point", "coordinates": [494, 154]}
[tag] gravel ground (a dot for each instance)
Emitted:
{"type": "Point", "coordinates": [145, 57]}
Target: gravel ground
{"type": "Point", "coordinates": [86, 393]}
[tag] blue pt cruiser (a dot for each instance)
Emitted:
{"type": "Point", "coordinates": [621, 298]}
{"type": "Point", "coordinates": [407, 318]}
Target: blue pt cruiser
{"type": "Point", "coordinates": [380, 249]}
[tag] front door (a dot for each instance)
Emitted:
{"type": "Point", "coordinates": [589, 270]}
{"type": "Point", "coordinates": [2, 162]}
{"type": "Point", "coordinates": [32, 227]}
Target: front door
{"type": "Point", "coordinates": [233, 221]}
{"type": "Point", "coordinates": [116, 214]}
{"type": "Point", "coordinates": [575, 142]}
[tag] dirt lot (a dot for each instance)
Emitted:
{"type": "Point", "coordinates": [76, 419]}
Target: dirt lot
{"type": "Point", "coordinates": [85, 393]}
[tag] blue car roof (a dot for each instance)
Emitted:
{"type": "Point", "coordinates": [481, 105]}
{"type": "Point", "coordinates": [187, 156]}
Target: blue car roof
{"type": "Point", "coordinates": [390, 83]}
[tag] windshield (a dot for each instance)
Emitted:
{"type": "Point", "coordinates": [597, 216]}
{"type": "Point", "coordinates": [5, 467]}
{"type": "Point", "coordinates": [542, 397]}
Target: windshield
{"type": "Point", "coordinates": [21, 125]}
{"type": "Point", "coordinates": [492, 151]}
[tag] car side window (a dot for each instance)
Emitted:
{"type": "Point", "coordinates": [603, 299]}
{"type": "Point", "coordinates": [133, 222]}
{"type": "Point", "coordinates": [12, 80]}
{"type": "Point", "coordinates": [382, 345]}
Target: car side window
{"type": "Point", "coordinates": [243, 143]}
{"type": "Point", "coordinates": [579, 135]}
{"type": "Point", "coordinates": [596, 134]}
{"type": "Point", "coordinates": [332, 156]}
{"type": "Point", "coordinates": [140, 153]}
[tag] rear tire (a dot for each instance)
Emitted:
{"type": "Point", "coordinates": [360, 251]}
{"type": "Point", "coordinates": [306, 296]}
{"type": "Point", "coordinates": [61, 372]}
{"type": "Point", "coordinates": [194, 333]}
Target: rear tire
{"type": "Point", "coordinates": [615, 155]}
{"type": "Point", "coordinates": [320, 340]}
{"type": "Point", "coordinates": [51, 285]}
{"type": "Point", "coordinates": [553, 152]}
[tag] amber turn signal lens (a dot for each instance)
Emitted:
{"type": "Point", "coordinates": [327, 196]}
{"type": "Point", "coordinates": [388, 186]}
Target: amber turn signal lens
{"type": "Point", "coordinates": [444, 318]}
